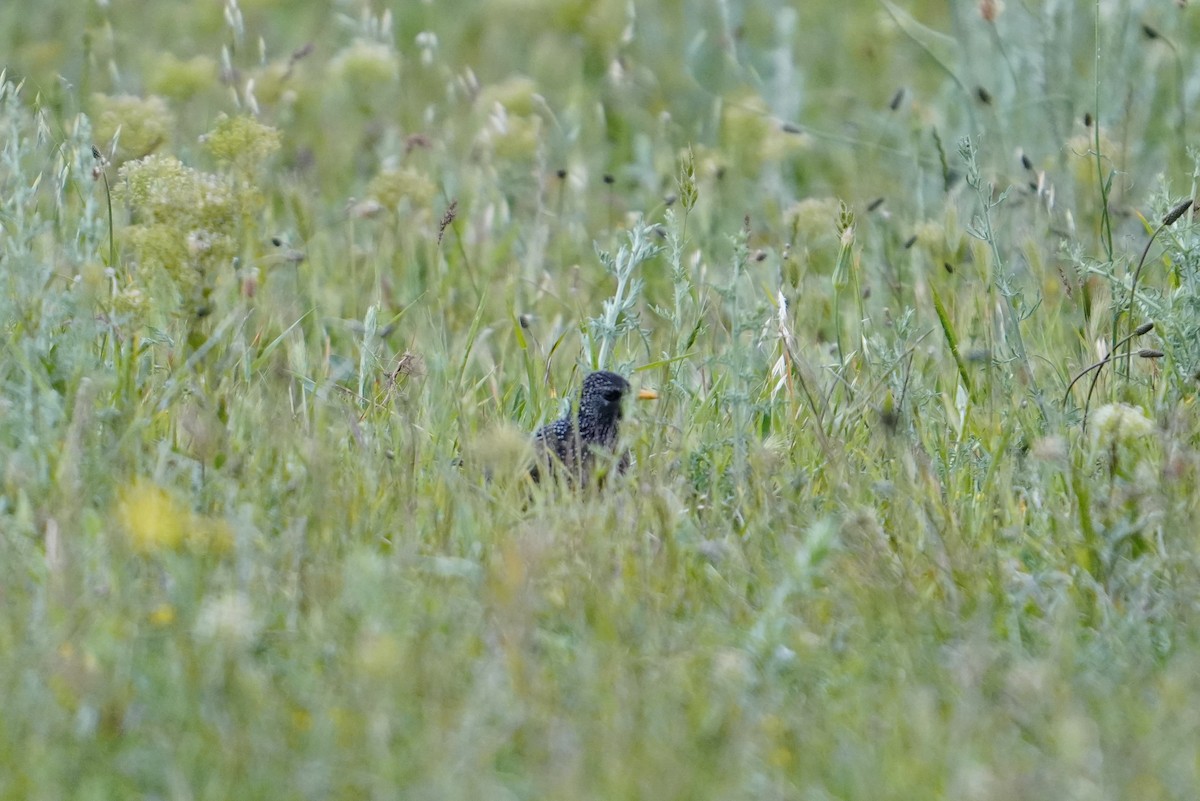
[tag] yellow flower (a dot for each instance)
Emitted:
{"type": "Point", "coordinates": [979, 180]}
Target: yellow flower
{"type": "Point", "coordinates": [163, 615]}
{"type": "Point", "coordinates": [154, 520]}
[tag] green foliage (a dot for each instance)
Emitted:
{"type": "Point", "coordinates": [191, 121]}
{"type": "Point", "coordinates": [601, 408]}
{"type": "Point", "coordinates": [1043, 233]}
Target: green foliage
{"type": "Point", "coordinates": [620, 311]}
{"type": "Point", "coordinates": [907, 519]}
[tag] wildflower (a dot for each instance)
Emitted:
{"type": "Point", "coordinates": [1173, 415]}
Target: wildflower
{"type": "Point", "coordinates": [241, 141]}
{"type": "Point", "coordinates": [365, 66]}
{"type": "Point", "coordinates": [142, 125]}
{"type": "Point", "coordinates": [181, 79]}
{"type": "Point", "coordinates": [130, 299]}
{"type": "Point", "coordinates": [163, 615]}
{"type": "Point", "coordinates": [154, 521]}
{"type": "Point", "coordinates": [198, 243]}
{"type": "Point", "coordinates": [229, 619]}
{"type": "Point", "coordinates": [516, 95]}
{"type": "Point", "coordinates": [1119, 423]}
{"type": "Point", "coordinates": [746, 127]}
{"type": "Point", "coordinates": [810, 218]}
{"type": "Point", "coordinates": [365, 209]}
{"type": "Point", "coordinates": [185, 219]}
{"type": "Point", "coordinates": [511, 136]}
{"type": "Point", "coordinates": [391, 186]}
{"type": "Point", "coordinates": [1049, 449]}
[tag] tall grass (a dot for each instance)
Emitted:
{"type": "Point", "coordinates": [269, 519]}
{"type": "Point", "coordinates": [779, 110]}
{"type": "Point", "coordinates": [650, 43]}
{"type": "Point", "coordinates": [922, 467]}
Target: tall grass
{"type": "Point", "coordinates": [286, 286]}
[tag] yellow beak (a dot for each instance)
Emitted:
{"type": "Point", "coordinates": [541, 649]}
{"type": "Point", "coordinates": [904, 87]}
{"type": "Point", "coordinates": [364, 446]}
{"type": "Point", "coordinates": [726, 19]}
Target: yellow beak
{"type": "Point", "coordinates": [647, 394]}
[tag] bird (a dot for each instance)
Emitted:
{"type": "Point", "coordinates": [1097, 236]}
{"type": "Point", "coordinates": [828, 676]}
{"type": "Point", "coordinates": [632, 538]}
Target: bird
{"type": "Point", "coordinates": [573, 442]}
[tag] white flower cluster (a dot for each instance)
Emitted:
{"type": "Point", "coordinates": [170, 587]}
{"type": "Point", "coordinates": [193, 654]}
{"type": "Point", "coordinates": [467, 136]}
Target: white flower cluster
{"type": "Point", "coordinates": [1119, 423]}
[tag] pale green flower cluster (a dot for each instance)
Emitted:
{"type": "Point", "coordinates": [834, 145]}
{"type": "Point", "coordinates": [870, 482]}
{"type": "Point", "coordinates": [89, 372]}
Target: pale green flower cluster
{"type": "Point", "coordinates": [390, 186]}
{"type": "Point", "coordinates": [750, 137]}
{"type": "Point", "coordinates": [365, 65]}
{"type": "Point", "coordinates": [181, 217]}
{"type": "Point", "coordinates": [182, 79]}
{"type": "Point", "coordinates": [1119, 424]}
{"type": "Point", "coordinates": [243, 142]}
{"type": "Point", "coordinates": [813, 218]}
{"type": "Point", "coordinates": [140, 125]}
{"type": "Point", "coordinates": [512, 130]}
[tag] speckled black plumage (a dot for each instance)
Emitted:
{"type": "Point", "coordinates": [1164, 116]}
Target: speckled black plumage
{"type": "Point", "coordinates": [571, 442]}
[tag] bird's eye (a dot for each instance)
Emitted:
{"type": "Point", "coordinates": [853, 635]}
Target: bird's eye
{"type": "Point", "coordinates": [612, 395]}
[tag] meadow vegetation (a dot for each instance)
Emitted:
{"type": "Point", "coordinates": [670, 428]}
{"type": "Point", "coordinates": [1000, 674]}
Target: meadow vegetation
{"type": "Point", "coordinates": [286, 286]}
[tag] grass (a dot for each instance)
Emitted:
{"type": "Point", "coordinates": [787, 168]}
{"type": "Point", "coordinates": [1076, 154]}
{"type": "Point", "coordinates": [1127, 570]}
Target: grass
{"type": "Point", "coordinates": [270, 269]}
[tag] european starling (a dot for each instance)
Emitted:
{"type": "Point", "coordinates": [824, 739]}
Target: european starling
{"type": "Point", "coordinates": [572, 441]}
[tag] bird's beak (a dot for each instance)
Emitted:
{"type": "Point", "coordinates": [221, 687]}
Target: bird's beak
{"type": "Point", "coordinates": [647, 394]}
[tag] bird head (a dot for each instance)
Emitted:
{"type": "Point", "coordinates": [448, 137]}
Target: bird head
{"type": "Point", "coordinates": [600, 403]}
{"type": "Point", "coordinates": [600, 399]}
